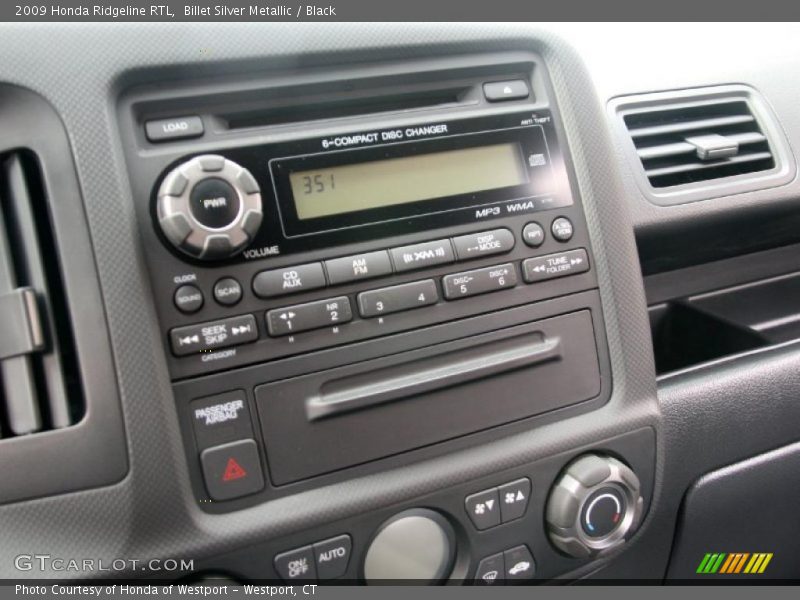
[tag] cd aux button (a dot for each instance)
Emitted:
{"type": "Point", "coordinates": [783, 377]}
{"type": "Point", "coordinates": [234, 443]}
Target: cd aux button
{"type": "Point", "coordinates": [484, 243]}
{"type": "Point", "coordinates": [358, 267]}
{"type": "Point", "coordinates": [419, 256]}
{"type": "Point", "coordinates": [313, 315]}
{"type": "Point", "coordinates": [290, 280]}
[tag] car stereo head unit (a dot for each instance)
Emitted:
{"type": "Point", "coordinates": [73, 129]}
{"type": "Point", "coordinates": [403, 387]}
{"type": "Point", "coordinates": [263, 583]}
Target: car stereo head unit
{"type": "Point", "coordinates": [293, 196]}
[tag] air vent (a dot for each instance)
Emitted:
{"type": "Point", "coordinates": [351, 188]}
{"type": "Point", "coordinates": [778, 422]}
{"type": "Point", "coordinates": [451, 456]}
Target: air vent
{"type": "Point", "coordinates": [39, 387]}
{"type": "Point", "coordinates": [697, 144]}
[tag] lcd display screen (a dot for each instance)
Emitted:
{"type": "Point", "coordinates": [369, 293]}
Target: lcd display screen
{"type": "Point", "coordinates": [356, 187]}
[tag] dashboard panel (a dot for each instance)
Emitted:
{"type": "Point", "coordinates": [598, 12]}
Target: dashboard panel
{"type": "Point", "coordinates": [388, 293]}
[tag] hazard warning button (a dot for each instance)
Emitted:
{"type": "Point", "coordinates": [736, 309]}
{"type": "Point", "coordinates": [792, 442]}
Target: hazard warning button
{"type": "Point", "coordinates": [232, 470]}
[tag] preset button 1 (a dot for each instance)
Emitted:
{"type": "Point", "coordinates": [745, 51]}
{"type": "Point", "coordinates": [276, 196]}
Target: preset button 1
{"type": "Point", "coordinates": [313, 315]}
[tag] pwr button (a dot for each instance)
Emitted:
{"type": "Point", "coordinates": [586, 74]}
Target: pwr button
{"type": "Point", "coordinates": [232, 470]}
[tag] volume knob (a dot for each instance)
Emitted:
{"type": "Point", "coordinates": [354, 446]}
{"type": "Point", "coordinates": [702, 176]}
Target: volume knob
{"type": "Point", "coordinates": [209, 207]}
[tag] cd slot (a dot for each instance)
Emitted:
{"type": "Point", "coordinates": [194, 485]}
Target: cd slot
{"type": "Point", "coordinates": [286, 110]}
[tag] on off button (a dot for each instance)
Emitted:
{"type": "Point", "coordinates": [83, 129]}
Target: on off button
{"type": "Point", "coordinates": [214, 203]}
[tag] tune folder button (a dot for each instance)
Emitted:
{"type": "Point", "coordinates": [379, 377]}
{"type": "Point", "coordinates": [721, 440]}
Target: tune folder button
{"type": "Point", "coordinates": [304, 317]}
{"type": "Point", "coordinates": [553, 266]}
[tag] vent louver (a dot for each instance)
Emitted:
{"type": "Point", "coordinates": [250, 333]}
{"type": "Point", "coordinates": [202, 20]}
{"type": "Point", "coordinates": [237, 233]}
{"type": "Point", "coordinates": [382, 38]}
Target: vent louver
{"type": "Point", "coordinates": [39, 384]}
{"type": "Point", "coordinates": [702, 143]}
{"type": "Point", "coordinates": [697, 143]}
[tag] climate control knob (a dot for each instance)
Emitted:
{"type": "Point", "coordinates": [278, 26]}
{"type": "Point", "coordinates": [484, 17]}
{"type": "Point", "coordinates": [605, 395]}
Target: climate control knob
{"type": "Point", "coordinates": [593, 506]}
{"type": "Point", "coordinates": [209, 207]}
{"type": "Point", "coordinates": [416, 545]}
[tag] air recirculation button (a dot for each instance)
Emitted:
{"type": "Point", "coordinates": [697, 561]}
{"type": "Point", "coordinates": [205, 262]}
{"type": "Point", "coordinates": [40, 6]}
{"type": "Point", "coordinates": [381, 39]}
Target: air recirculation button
{"type": "Point", "coordinates": [594, 505]}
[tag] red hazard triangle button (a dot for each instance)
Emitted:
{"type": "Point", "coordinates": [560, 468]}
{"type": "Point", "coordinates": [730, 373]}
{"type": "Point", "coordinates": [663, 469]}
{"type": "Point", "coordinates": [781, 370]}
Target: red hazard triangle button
{"type": "Point", "coordinates": [233, 470]}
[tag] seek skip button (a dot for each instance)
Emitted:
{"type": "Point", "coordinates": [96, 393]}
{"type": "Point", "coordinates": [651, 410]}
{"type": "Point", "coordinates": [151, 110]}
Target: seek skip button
{"type": "Point", "coordinates": [333, 556]}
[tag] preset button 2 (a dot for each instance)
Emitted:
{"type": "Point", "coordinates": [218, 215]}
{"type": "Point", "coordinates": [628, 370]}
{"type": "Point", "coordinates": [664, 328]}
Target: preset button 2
{"type": "Point", "coordinates": [313, 315]}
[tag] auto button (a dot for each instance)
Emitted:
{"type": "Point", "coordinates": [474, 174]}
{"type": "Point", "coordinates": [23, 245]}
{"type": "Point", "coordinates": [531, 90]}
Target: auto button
{"type": "Point", "coordinates": [333, 556]}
